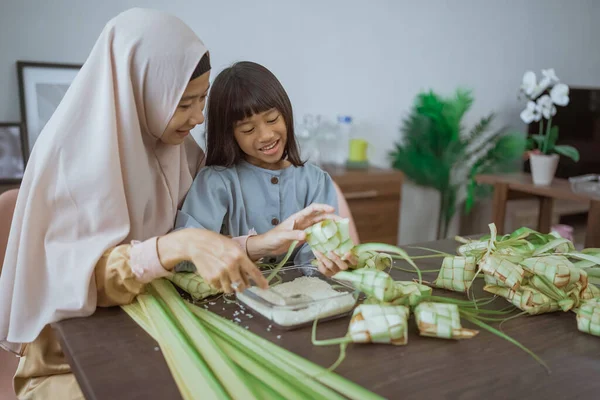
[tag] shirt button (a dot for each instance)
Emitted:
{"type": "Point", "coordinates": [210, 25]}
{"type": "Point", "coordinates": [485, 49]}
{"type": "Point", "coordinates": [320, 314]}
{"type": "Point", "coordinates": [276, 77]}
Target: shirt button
{"type": "Point", "coordinates": [274, 180]}
{"type": "Point", "coordinates": [274, 221]}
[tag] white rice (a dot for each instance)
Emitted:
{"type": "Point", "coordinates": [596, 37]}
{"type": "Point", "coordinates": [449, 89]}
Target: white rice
{"type": "Point", "coordinates": [313, 287]}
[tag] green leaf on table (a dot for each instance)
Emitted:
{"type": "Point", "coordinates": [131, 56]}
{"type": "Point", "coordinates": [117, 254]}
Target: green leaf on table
{"type": "Point", "coordinates": [567, 151]}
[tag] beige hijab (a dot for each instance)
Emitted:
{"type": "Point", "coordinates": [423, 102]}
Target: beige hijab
{"type": "Point", "coordinates": [98, 176]}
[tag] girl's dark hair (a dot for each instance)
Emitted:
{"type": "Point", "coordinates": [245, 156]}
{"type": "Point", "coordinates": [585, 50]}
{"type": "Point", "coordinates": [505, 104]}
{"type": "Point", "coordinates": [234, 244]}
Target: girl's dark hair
{"type": "Point", "coordinates": [202, 67]}
{"type": "Point", "coordinates": [238, 92]}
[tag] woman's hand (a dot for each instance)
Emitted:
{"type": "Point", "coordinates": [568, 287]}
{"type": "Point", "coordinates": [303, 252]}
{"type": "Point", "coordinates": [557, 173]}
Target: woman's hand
{"type": "Point", "coordinates": [332, 264]}
{"type": "Point", "coordinates": [278, 240]}
{"type": "Point", "coordinates": [219, 261]}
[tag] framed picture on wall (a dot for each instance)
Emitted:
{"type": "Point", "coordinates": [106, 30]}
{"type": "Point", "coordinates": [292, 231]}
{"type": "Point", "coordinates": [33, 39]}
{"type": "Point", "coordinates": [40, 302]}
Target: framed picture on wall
{"type": "Point", "coordinates": [12, 155]}
{"type": "Point", "coordinates": [41, 88]}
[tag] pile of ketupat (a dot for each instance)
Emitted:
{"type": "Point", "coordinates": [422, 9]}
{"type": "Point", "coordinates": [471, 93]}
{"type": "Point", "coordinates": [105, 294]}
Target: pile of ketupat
{"type": "Point", "coordinates": [211, 357]}
{"type": "Point", "coordinates": [383, 316]}
{"type": "Point", "coordinates": [537, 273]}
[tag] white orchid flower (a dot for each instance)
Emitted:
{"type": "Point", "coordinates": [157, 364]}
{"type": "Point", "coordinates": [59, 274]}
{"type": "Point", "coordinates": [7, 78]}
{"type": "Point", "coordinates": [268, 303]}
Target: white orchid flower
{"type": "Point", "coordinates": [549, 77]}
{"type": "Point", "coordinates": [529, 83]}
{"type": "Point", "coordinates": [560, 94]}
{"type": "Point", "coordinates": [539, 89]}
{"type": "Point", "coordinates": [531, 113]}
{"type": "Point", "coordinates": [546, 106]}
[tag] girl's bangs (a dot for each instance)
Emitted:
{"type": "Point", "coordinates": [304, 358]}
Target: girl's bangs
{"type": "Point", "coordinates": [247, 101]}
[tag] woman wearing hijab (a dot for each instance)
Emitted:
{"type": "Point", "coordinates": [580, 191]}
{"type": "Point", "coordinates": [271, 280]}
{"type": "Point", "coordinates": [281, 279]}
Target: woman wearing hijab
{"type": "Point", "coordinates": [101, 192]}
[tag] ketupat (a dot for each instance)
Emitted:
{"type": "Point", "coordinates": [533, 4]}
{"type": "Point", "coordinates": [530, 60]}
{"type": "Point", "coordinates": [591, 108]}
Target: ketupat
{"type": "Point", "coordinates": [380, 288]}
{"type": "Point", "coordinates": [373, 323]}
{"type": "Point", "coordinates": [407, 294]}
{"type": "Point", "coordinates": [372, 282]}
{"type": "Point", "coordinates": [588, 317]}
{"type": "Point", "coordinates": [375, 260]}
{"type": "Point", "coordinates": [523, 242]}
{"type": "Point", "coordinates": [566, 300]}
{"type": "Point", "coordinates": [511, 275]}
{"type": "Point", "coordinates": [456, 273]}
{"type": "Point", "coordinates": [473, 248]}
{"type": "Point", "coordinates": [557, 269]}
{"type": "Point", "coordinates": [334, 236]}
{"type": "Point", "coordinates": [330, 235]}
{"type": "Point", "coordinates": [526, 298]}
{"type": "Point", "coordinates": [441, 320]}
{"type": "Point", "coordinates": [410, 293]}
{"type": "Point", "coordinates": [490, 280]}
{"type": "Point", "coordinates": [590, 292]}
{"type": "Point", "coordinates": [193, 284]}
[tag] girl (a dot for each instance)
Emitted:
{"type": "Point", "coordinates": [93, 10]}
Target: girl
{"type": "Point", "coordinates": [254, 177]}
{"type": "Point", "coordinates": [101, 191]}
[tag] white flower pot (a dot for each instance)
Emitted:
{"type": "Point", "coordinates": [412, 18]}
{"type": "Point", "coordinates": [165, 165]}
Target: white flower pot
{"type": "Point", "coordinates": [543, 168]}
{"type": "Point", "coordinates": [419, 212]}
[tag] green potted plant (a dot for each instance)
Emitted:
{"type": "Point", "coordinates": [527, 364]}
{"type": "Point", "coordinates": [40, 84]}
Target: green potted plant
{"type": "Point", "coordinates": [436, 151]}
{"type": "Point", "coordinates": [542, 99]}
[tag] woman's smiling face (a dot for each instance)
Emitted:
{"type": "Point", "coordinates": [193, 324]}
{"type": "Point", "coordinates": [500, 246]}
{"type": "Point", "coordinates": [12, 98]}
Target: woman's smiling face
{"type": "Point", "coordinates": [189, 112]}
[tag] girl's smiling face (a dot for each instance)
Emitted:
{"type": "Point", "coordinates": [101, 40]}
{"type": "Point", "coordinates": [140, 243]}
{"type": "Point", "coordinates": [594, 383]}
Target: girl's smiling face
{"type": "Point", "coordinates": [263, 138]}
{"type": "Point", "coordinates": [250, 118]}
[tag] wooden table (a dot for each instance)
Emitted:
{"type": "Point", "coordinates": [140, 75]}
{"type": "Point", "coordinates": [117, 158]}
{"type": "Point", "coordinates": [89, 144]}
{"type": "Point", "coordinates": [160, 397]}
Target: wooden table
{"type": "Point", "coordinates": [518, 186]}
{"type": "Point", "coordinates": [113, 358]}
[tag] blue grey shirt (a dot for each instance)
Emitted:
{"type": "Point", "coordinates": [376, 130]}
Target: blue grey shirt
{"type": "Point", "coordinates": [235, 200]}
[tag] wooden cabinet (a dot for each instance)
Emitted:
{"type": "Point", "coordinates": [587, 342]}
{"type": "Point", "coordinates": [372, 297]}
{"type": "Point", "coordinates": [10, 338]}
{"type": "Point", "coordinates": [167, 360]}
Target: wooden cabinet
{"type": "Point", "coordinates": [374, 197]}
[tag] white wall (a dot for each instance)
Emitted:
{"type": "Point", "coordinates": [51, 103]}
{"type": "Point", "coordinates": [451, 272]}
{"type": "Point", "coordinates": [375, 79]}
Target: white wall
{"type": "Point", "coordinates": [364, 58]}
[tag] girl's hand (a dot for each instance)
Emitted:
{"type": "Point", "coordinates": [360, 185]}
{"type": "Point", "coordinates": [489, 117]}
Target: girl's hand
{"type": "Point", "coordinates": [219, 261]}
{"type": "Point", "coordinates": [332, 264]}
{"type": "Point", "coordinates": [278, 240]}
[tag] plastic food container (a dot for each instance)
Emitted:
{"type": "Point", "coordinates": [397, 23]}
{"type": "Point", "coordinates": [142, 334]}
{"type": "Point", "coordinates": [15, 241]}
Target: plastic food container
{"type": "Point", "coordinates": [588, 184]}
{"type": "Point", "coordinates": [330, 298]}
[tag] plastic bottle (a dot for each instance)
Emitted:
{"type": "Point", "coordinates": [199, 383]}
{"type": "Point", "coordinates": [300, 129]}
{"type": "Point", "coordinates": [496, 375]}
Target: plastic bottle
{"type": "Point", "coordinates": [307, 137]}
{"type": "Point", "coordinates": [344, 131]}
